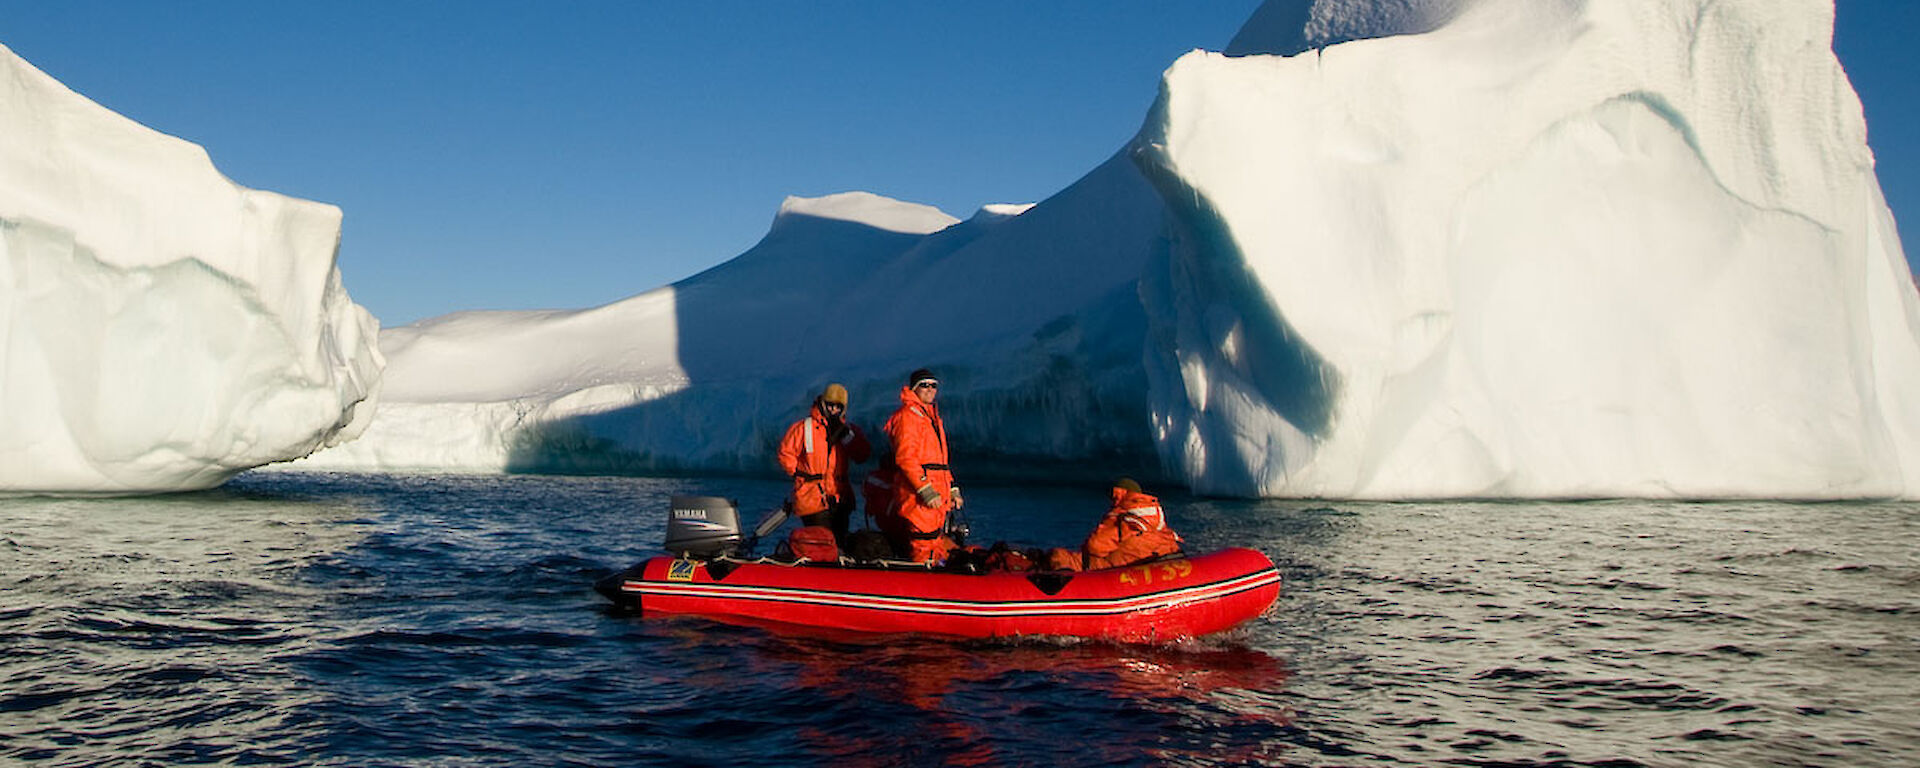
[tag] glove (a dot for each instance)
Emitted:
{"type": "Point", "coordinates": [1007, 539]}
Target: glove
{"type": "Point", "coordinates": [928, 496]}
{"type": "Point", "coordinates": [839, 433]}
{"type": "Point", "coordinates": [957, 501]}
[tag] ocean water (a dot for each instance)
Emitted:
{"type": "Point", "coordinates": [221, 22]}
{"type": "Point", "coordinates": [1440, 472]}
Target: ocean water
{"type": "Point", "coordinates": [450, 621]}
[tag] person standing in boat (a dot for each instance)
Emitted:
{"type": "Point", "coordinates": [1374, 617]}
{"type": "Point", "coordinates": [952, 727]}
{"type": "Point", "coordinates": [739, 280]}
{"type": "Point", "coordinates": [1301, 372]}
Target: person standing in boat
{"type": "Point", "coordinates": [817, 451]}
{"type": "Point", "coordinates": [1134, 529]}
{"type": "Point", "coordinates": [924, 492]}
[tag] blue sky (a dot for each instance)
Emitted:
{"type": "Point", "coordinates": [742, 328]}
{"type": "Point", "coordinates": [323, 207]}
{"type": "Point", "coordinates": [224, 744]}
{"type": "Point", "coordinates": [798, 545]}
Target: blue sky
{"type": "Point", "coordinates": [494, 155]}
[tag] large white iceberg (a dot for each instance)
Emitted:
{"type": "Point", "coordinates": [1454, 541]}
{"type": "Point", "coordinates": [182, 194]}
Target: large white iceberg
{"type": "Point", "coordinates": [1551, 248]}
{"type": "Point", "coordinates": [1389, 249]}
{"type": "Point", "coordinates": [162, 328]}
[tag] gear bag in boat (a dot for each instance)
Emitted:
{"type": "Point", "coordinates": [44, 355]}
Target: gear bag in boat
{"type": "Point", "coordinates": [815, 543]}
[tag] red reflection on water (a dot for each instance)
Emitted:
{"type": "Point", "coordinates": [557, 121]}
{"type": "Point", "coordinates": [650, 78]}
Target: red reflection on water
{"type": "Point", "coordinates": [975, 694]}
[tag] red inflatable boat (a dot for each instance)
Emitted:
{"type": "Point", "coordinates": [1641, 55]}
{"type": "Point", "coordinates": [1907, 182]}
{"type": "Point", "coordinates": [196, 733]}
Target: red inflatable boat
{"type": "Point", "coordinates": [1149, 602]}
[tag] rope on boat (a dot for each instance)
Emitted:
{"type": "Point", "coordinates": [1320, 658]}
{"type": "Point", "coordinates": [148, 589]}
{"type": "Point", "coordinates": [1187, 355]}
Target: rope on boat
{"type": "Point", "coordinates": [843, 561]}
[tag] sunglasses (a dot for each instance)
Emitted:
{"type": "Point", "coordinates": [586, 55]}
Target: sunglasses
{"type": "Point", "coordinates": [927, 385]}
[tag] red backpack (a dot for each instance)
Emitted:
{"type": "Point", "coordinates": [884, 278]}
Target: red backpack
{"type": "Point", "coordinates": [815, 543]}
{"type": "Point", "coordinates": [1005, 558]}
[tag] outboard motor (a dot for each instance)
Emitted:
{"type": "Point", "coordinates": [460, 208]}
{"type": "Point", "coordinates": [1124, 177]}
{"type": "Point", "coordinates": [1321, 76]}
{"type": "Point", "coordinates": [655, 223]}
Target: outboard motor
{"type": "Point", "coordinates": [703, 527]}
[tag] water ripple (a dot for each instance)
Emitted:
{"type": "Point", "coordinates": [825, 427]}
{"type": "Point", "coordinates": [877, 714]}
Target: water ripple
{"type": "Point", "coordinates": [421, 620]}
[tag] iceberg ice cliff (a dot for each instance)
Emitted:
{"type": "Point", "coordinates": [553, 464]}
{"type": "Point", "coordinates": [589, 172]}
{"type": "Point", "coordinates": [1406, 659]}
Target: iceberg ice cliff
{"type": "Point", "coordinates": [1551, 248]}
{"type": "Point", "coordinates": [1379, 249]}
{"type": "Point", "coordinates": [162, 328]}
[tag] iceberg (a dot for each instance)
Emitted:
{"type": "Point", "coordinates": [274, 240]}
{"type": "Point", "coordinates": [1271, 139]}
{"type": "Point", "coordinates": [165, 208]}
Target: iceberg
{"type": "Point", "coordinates": [1382, 249]}
{"type": "Point", "coordinates": [1545, 249]}
{"type": "Point", "coordinates": [705, 374]}
{"type": "Point", "coordinates": [164, 328]}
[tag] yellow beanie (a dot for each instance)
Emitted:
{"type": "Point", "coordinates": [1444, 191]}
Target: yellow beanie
{"type": "Point", "coordinates": [834, 394]}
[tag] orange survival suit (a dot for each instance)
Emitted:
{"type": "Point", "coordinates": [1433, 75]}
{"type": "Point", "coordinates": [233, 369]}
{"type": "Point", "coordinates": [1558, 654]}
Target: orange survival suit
{"type": "Point", "coordinates": [817, 454]}
{"type": "Point", "coordinates": [1134, 529]}
{"type": "Point", "coordinates": [919, 437]}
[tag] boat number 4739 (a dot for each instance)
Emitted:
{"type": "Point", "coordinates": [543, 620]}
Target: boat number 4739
{"type": "Point", "coordinates": [1162, 572]}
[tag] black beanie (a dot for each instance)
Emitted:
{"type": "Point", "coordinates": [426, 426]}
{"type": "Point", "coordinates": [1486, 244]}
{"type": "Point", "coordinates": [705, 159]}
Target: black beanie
{"type": "Point", "coordinates": [920, 376]}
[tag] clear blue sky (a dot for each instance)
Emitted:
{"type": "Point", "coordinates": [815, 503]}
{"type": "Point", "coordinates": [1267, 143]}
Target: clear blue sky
{"type": "Point", "coordinates": [494, 155]}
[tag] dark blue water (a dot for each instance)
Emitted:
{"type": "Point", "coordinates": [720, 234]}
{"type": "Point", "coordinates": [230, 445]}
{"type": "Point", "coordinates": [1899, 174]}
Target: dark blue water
{"type": "Point", "coordinates": [450, 621]}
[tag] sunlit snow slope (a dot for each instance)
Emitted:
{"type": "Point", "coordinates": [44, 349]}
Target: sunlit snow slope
{"type": "Point", "coordinates": [162, 328]}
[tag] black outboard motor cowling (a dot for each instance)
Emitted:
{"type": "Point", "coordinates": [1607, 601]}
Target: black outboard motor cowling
{"type": "Point", "coordinates": [703, 527]}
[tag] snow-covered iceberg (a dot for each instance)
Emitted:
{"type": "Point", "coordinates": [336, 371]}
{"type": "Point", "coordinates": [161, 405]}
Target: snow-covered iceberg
{"type": "Point", "coordinates": [1549, 248]}
{"type": "Point", "coordinates": [164, 328]}
{"type": "Point", "coordinates": [1031, 314]}
{"type": "Point", "coordinates": [1387, 249]}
